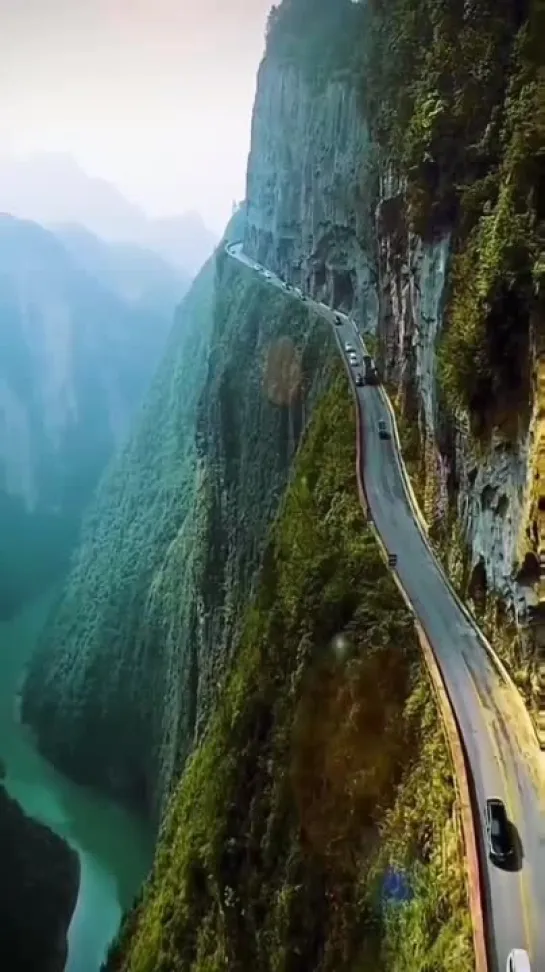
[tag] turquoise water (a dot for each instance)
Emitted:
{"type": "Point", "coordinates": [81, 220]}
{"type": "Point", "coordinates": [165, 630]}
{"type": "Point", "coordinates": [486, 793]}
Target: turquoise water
{"type": "Point", "coordinates": [114, 849]}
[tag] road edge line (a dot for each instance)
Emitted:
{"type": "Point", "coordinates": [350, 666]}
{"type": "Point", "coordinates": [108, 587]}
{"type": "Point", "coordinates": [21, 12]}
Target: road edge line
{"type": "Point", "coordinates": [423, 528]}
{"type": "Point", "coordinates": [472, 868]}
{"type": "Point", "coordinates": [473, 871]}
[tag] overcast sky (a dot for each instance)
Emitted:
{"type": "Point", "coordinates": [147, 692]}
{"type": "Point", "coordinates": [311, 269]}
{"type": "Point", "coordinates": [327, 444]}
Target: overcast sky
{"type": "Point", "coordinates": [154, 95]}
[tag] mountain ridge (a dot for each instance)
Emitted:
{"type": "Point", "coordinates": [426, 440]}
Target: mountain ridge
{"type": "Point", "coordinates": [52, 189]}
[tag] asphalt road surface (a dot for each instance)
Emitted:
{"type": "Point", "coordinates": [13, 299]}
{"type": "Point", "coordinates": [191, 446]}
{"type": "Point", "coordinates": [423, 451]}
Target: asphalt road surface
{"type": "Point", "coordinates": [505, 761]}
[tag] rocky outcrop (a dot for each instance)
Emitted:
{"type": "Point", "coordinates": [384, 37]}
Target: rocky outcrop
{"type": "Point", "coordinates": [39, 877]}
{"type": "Point", "coordinates": [489, 486]}
{"type": "Point", "coordinates": [327, 214]}
{"type": "Point", "coordinates": [322, 214]}
{"type": "Point", "coordinates": [135, 655]}
{"type": "Point", "coordinates": [309, 194]}
{"type": "Point", "coordinates": [76, 358]}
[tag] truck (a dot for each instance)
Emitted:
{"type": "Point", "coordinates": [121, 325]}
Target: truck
{"type": "Point", "coordinates": [371, 372]}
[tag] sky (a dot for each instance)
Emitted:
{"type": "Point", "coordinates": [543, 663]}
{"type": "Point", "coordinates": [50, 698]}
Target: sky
{"type": "Point", "coordinates": [152, 95]}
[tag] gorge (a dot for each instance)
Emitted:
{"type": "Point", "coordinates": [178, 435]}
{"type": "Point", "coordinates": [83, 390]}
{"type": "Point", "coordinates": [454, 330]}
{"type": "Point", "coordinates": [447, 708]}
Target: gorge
{"type": "Point", "coordinates": [228, 657]}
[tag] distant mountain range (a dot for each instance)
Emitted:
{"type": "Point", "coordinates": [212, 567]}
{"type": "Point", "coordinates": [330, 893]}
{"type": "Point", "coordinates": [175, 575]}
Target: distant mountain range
{"type": "Point", "coordinates": [52, 189]}
{"type": "Point", "coordinates": [83, 323]}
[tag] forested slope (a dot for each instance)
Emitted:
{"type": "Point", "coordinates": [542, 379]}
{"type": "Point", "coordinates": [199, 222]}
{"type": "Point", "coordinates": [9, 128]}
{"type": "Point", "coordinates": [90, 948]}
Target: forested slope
{"type": "Point", "coordinates": [314, 827]}
{"type": "Point", "coordinates": [144, 629]}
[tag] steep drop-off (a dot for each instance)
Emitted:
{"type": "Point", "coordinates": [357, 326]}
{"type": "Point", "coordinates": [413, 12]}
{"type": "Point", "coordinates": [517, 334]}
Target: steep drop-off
{"type": "Point", "coordinates": [314, 826]}
{"type": "Point", "coordinates": [398, 167]}
{"type": "Point", "coordinates": [138, 645]}
{"type": "Point", "coordinates": [75, 358]}
{"type": "Point", "coordinates": [39, 877]}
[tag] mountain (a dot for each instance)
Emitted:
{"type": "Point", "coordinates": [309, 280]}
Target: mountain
{"type": "Point", "coordinates": [75, 358]}
{"type": "Point", "coordinates": [140, 277]}
{"type": "Point", "coordinates": [230, 653]}
{"type": "Point", "coordinates": [52, 189]}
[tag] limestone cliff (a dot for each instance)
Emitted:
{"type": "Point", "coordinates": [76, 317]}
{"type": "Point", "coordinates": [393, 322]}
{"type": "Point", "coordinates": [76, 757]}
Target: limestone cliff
{"type": "Point", "coordinates": [136, 651]}
{"type": "Point", "coordinates": [75, 359]}
{"type": "Point", "coordinates": [393, 202]}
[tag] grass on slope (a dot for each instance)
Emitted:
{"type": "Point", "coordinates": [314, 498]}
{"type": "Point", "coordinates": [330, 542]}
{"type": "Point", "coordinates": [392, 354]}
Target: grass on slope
{"type": "Point", "coordinates": [323, 768]}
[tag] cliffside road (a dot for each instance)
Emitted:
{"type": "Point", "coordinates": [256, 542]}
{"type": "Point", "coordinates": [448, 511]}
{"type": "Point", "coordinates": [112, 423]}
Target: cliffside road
{"type": "Point", "coordinates": [504, 760]}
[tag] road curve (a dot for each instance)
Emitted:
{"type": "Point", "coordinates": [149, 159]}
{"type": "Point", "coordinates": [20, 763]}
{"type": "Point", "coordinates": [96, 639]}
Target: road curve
{"type": "Point", "coordinates": [501, 764]}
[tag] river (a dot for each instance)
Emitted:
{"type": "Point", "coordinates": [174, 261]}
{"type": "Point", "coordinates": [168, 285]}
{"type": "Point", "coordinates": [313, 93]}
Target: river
{"type": "Point", "coordinates": [115, 850]}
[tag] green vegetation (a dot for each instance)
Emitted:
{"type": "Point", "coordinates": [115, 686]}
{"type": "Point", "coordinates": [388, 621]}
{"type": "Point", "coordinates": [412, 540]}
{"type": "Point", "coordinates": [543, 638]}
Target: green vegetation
{"type": "Point", "coordinates": [316, 36]}
{"type": "Point", "coordinates": [456, 95]}
{"type": "Point", "coordinates": [76, 356]}
{"type": "Point", "coordinates": [131, 658]}
{"type": "Point", "coordinates": [323, 767]}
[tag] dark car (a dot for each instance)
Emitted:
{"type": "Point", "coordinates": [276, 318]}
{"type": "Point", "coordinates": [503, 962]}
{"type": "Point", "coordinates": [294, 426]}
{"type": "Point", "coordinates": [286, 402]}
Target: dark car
{"type": "Point", "coordinates": [500, 845]}
{"type": "Point", "coordinates": [358, 378]}
{"type": "Point", "coordinates": [338, 320]}
{"type": "Point", "coordinates": [383, 432]}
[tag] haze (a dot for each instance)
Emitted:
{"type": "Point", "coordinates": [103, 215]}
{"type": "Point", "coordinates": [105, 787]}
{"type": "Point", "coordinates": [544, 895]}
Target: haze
{"type": "Point", "coordinates": [153, 95]}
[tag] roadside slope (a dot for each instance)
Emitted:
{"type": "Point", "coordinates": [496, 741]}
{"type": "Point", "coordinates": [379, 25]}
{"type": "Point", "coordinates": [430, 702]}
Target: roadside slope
{"type": "Point", "coordinates": [132, 658]}
{"type": "Point", "coordinates": [322, 790]}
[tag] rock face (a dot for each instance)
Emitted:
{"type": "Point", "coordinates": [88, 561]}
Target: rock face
{"type": "Point", "coordinates": [324, 213]}
{"type": "Point", "coordinates": [132, 661]}
{"type": "Point", "coordinates": [75, 359]}
{"type": "Point", "coordinates": [39, 877]}
{"type": "Point", "coordinates": [490, 486]}
{"type": "Point", "coordinates": [309, 209]}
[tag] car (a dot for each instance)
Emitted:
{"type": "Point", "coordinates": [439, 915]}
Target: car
{"type": "Point", "coordinates": [338, 320]}
{"type": "Point", "coordinates": [358, 378]}
{"type": "Point", "coordinates": [267, 273]}
{"type": "Point", "coordinates": [348, 347]}
{"type": "Point", "coordinates": [353, 359]}
{"type": "Point", "coordinates": [383, 432]}
{"type": "Point", "coordinates": [500, 844]}
{"type": "Point", "coordinates": [518, 961]}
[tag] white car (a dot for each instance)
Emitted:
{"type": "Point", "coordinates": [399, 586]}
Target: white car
{"type": "Point", "coordinates": [353, 359]}
{"type": "Point", "coordinates": [349, 348]}
{"type": "Point", "coordinates": [518, 961]}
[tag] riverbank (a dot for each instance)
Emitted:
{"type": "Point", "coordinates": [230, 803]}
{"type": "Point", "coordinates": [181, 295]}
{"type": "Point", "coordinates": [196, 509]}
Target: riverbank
{"type": "Point", "coordinates": [114, 849]}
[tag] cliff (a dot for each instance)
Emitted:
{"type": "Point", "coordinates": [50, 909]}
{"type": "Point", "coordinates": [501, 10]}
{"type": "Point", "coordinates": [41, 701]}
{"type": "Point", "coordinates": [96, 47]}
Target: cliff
{"type": "Point", "coordinates": [39, 877]}
{"type": "Point", "coordinates": [311, 183]}
{"type": "Point", "coordinates": [145, 628]}
{"type": "Point", "coordinates": [229, 634]}
{"type": "Point", "coordinates": [460, 225]}
{"type": "Point", "coordinates": [404, 182]}
{"type": "Point", "coordinates": [77, 355]}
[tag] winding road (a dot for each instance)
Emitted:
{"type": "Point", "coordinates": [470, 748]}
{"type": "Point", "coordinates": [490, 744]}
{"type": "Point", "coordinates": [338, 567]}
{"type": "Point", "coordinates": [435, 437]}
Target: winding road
{"type": "Point", "coordinates": [502, 753]}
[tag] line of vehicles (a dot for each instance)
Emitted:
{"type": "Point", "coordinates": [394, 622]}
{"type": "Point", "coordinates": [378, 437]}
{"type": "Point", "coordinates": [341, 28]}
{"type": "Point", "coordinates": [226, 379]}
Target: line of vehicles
{"type": "Point", "coordinates": [500, 833]}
